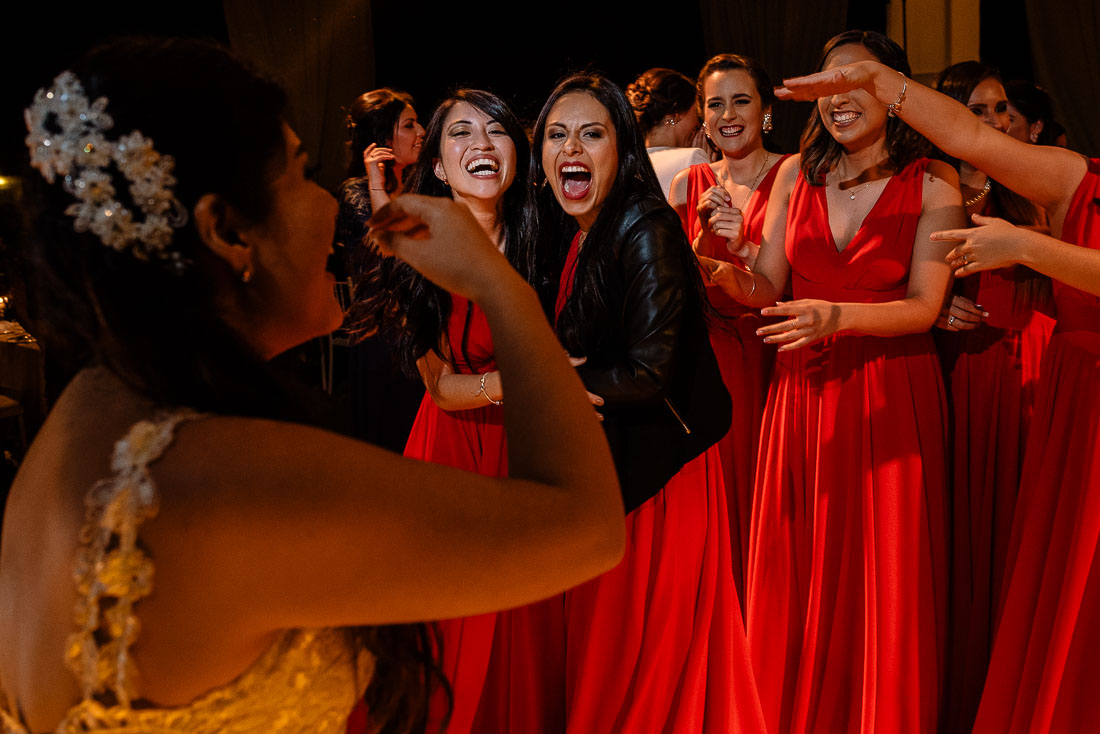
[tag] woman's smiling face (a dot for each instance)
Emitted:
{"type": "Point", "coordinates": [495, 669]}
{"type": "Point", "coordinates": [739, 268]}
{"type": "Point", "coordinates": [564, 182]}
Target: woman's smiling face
{"type": "Point", "coordinates": [580, 155]}
{"type": "Point", "coordinates": [733, 111]}
{"type": "Point", "coordinates": [477, 157]}
{"type": "Point", "coordinates": [855, 119]}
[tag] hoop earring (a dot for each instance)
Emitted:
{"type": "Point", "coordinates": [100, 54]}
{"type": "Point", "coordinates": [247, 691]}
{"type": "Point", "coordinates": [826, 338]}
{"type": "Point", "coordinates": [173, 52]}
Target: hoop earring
{"type": "Point", "coordinates": [767, 126]}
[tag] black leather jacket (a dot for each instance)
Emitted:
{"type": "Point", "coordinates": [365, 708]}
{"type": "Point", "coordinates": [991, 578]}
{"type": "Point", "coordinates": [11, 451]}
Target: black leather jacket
{"type": "Point", "coordinates": [665, 402]}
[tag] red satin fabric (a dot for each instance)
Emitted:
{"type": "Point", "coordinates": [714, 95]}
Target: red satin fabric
{"type": "Point", "coordinates": [848, 577]}
{"type": "Point", "coordinates": [745, 362]}
{"type": "Point", "coordinates": [991, 373]}
{"type": "Point", "coordinates": [1044, 672]}
{"type": "Point", "coordinates": [471, 440]}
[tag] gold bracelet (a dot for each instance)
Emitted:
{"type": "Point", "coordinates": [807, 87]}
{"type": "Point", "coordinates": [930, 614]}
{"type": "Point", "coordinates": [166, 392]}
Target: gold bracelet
{"type": "Point", "coordinates": [485, 376]}
{"type": "Point", "coordinates": [894, 108]}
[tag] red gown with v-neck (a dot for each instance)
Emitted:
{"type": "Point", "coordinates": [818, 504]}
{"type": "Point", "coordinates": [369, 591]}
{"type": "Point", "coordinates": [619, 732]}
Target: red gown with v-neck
{"type": "Point", "coordinates": [848, 573]}
{"type": "Point", "coordinates": [745, 362]}
{"type": "Point", "coordinates": [473, 440]}
{"type": "Point", "coordinates": [1044, 672]}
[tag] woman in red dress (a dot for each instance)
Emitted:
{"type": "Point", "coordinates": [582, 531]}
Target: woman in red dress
{"type": "Point", "coordinates": [991, 355]}
{"type": "Point", "coordinates": [657, 644]}
{"type": "Point", "coordinates": [475, 150]}
{"type": "Point", "coordinates": [721, 206]}
{"type": "Point", "coordinates": [1044, 671]}
{"type": "Point", "coordinates": [848, 572]}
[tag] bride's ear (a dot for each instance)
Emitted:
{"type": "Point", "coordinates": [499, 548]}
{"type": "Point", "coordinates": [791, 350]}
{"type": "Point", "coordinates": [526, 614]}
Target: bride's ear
{"type": "Point", "coordinates": [218, 228]}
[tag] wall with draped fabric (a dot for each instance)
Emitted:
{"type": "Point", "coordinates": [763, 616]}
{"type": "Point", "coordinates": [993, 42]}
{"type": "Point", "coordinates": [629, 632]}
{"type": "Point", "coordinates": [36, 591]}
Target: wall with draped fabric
{"type": "Point", "coordinates": [1065, 46]}
{"type": "Point", "coordinates": [798, 30]}
{"type": "Point", "coordinates": [323, 53]}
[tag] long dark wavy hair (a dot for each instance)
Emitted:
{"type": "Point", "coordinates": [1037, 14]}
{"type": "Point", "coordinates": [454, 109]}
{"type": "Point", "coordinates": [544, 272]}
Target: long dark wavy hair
{"type": "Point", "coordinates": [959, 81]}
{"type": "Point", "coordinates": [371, 120]}
{"type": "Point", "coordinates": [657, 93]}
{"type": "Point", "coordinates": [820, 151]}
{"type": "Point", "coordinates": [159, 328]}
{"type": "Point", "coordinates": [588, 319]}
{"type": "Point", "coordinates": [404, 305]}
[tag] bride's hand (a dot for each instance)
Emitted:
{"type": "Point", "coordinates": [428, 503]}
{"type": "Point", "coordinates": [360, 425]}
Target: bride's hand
{"type": "Point", "coordinates": [443, 241]}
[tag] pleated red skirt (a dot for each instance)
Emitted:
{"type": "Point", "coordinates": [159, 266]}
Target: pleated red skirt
{"type": "Point", "coordinates": [992, 376]}
{"type": "Point", "coordinates": [655, 645]}
{"type": "Point", "coordinates": [848, 582]}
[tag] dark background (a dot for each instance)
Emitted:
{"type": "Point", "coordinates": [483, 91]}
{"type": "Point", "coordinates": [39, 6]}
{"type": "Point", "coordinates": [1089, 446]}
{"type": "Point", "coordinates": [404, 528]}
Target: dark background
{"type": "Point", "coordinates": [428, 49]}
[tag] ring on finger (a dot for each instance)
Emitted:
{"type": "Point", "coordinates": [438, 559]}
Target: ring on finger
{"type": "Point", "coordinates": [951, 321]}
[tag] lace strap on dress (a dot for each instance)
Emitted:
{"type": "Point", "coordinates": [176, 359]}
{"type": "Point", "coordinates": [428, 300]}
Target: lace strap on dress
{"type": "Point", "coordinates": [112, 572]}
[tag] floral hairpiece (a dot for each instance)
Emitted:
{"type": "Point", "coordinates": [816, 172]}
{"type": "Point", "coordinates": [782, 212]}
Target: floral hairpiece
{"type": "Point", "coordinates": [77, 150]}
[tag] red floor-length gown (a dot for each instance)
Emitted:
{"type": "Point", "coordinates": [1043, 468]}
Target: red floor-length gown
{"type": "Point", "coordinates": [991, 372]}
{"type": "Point", "coordinates": [848, 575]}
{"type": "Point", "coordinates": [472, 440]}
{"type": "Point", "coordinates": [1044, 673]}
{"type": "Point", "coordinates": [657, 644]}
{"type": "Point", "coordinates": [745, 362]}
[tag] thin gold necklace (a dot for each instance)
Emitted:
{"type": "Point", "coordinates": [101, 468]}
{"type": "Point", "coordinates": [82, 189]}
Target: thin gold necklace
{"type": "Point", "coordinates": [755, 182]}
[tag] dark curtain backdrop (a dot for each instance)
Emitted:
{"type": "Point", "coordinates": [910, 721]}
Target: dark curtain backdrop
{"type": "Point", "coordinates": [1065, 43]}
{"type": "Point", "coordinates": [323, 53]}
{"type": "Point", "coordinates": [784, 35]}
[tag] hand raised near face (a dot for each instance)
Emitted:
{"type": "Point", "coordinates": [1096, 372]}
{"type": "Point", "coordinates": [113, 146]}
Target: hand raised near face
{"type": "Point", "coordinates": [374, 161]}
{"type": "Point", "coordinates": [442, 240]}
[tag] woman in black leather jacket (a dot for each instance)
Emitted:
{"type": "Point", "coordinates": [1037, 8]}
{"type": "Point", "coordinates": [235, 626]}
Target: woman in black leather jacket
{"type": "Point", "coordinates": [657, 644]}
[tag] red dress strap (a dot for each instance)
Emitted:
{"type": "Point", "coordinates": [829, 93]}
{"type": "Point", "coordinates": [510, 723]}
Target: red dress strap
{"type": "Point", "coordinates": [700, 178]}
{"type": "Point", "coordinates": [568, 275]}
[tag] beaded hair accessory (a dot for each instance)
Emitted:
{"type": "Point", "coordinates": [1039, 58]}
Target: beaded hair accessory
{"type": "Point", "coordinates": [66, 140]}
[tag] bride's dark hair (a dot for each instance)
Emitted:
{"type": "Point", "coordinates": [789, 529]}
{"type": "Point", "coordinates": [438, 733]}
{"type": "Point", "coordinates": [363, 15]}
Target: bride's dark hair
{"type": "Point", "coordinates": [160, 328]}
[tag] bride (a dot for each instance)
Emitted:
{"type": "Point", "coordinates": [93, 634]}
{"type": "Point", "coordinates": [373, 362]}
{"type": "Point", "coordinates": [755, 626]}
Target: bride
{"type": "Point", "coordinates": [177, 245]}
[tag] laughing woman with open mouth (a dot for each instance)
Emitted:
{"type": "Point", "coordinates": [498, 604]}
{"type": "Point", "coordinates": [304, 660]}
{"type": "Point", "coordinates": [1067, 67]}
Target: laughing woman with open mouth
{"type": "Point", "coordinates": [657, 644]}
{"type": "Point", "coordinates": [475, 151]}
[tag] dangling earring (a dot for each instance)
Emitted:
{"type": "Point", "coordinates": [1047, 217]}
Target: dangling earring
{"type": "Point", "coordinates": [706, 131]}
{"type": "Point", "coordinates": [767, 126]}
{"type": "Point", "coordinates": [246, 275]}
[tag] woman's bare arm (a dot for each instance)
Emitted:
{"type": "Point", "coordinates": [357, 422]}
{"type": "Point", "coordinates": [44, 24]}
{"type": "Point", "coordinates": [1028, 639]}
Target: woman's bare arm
{"type": "Point", "coordinates": [994, 243]}
{"type": "Point", "coordinates": [1046, 175]}
{"type": "Point", "coordinates": [281, 525]}
{"type": "Point", "coordinates": [452, 390]}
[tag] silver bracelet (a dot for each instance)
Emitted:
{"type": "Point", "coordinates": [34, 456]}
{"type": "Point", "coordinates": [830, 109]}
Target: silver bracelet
{"type": "Point", "coordinates": [481, 391]}
{"type": "Point", "coordinates": [894, 108]}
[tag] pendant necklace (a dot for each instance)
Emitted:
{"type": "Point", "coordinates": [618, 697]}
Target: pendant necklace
{"type": "Point", "coordinates": [853, 192]}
